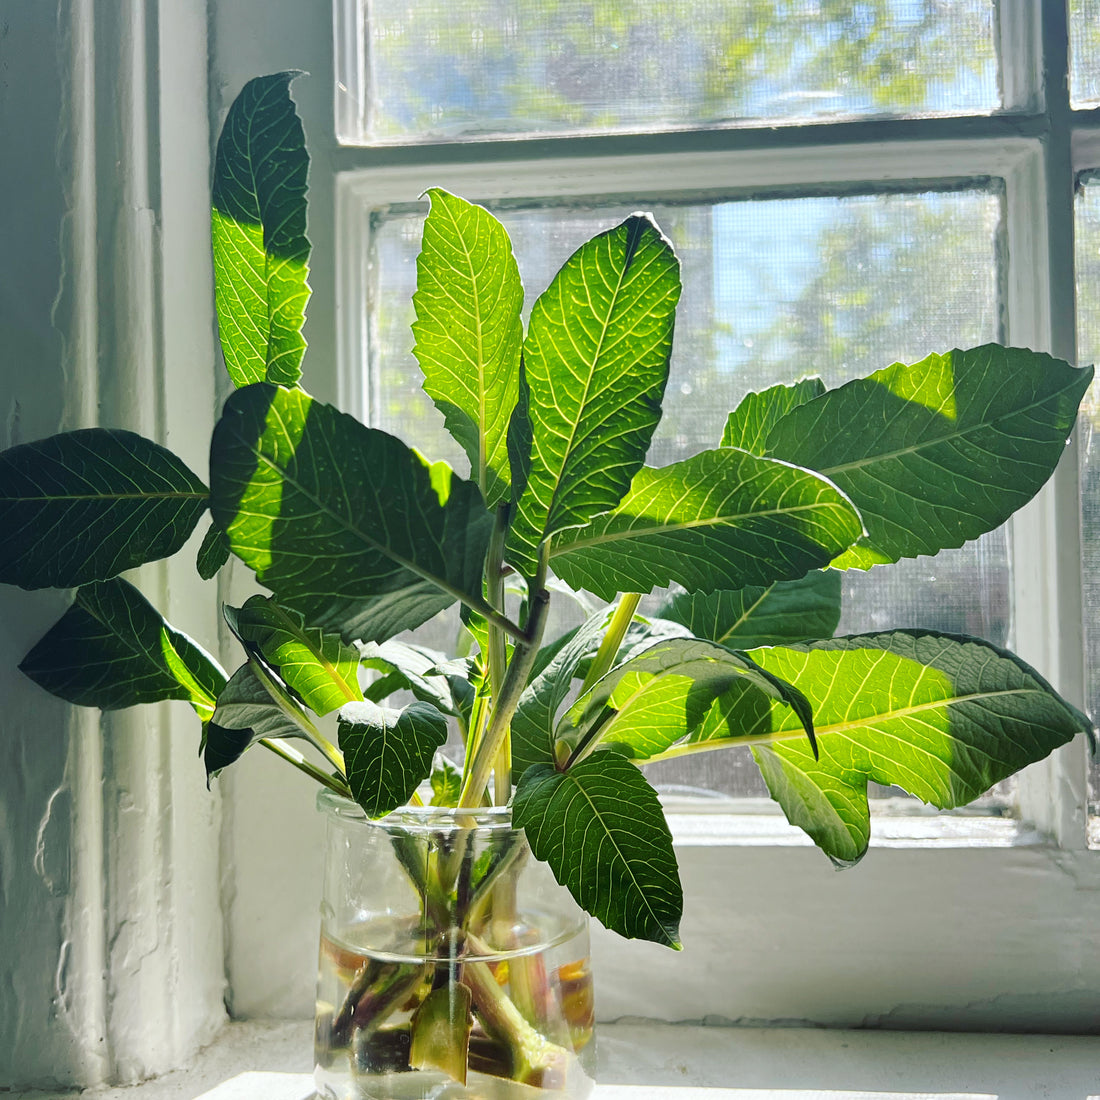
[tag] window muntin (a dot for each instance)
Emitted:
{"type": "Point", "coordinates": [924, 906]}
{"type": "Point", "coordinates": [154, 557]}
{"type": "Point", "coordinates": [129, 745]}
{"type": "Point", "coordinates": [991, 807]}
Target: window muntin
{"type": "Point", "coordinates": [438, 71]}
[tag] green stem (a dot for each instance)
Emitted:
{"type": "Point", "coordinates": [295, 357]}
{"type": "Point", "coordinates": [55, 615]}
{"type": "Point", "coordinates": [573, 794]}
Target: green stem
{"type": "Point", "coordinates": [278, 696]}
{"type": "Point", "coordinates": [292, 756]}
{"type": "Point", "coordinates": [498, 651]}
{"type": "Point", "coordinates": [609, 647]}
{"type": "Point", "coordinates": [515, 680]}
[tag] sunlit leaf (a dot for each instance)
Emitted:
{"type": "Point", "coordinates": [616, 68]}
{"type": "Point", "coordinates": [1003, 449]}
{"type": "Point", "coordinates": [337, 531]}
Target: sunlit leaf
{"type": "Point", "coordinates": [468, 331]}
{"type": "Point", "coordinates": [941, 716]}
{"type": "Point", "coordinates": [446, 782]}
{"type": "Point", "coordinates": [939, 452]}
{"type": "Point", "coordinates": [112, 649]}
{"type": "Point", "coordinates": [721, 519]}
{"type": "Point", "coordinates": [601, 828]}
{"type": "Point", "coordinates": [655, 699]}
{"type": "Point", "coordinates": [775, 614]}
{"type": "Point", "coordinates": [261, 253]}
{"type": "Point", "coordinates": [86, 505]}
{"type": "Point", "coordinates": [321, 669]}
{"type": "Point", "coordinates": [595, 364]}
{"type": "Point", "coordinates": [749, 425]}
{"type": "Point", "coordinates": [388, 752]}
{"type": "Point", "coordinates": [327, 510]}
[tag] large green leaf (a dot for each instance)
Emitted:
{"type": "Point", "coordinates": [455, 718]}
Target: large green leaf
{"type": "Point", "coordinates": [261, 253]}
{"type": "Point", "coordinates": [939, 452]}
{"type": "Point", "coordinates": [595, 365]}
{"type": "Point", "coordinates": [388, 752]}
{"type": "Point", "coordinates": [721, 519]}
{"type": "Point", "coordinates": [536, 715]}
{"type": "Point", "coordinates": [774, 614]}
{"type": "Point", "coordinates": [321, 668]}
{"type": "Point", "coordinates": [601, 829]}
{"type": "Point", "coordinates": [468, 331]}
{"type": "Point", "coordinates": [246, 713]}
{"type": "Point", "coordinates": [655, 699]}
{"type": "Point", "coordinates": [750, 424]}
{"type": "Point", "coordinates": [326, 510]}
{"type": "Point", "coordinates": [112, 649]}
{"type": "Point", "coordinates": [86, 505]}
{"type": "Point", "coordinates": [944, 717]}
{"type": "Point", "coordinates": [417, 668]}
{"type": "Point", "coordinates": [376, 618]}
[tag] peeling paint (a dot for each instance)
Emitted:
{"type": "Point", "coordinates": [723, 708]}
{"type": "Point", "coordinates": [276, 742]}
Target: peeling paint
{"type": "Point", "coordinates": [51, 849]}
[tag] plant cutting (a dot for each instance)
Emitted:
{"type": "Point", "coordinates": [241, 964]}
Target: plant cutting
{"type": "Point", "coordinates": [516, 762]}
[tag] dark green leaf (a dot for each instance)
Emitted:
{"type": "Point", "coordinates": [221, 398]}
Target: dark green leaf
{"type": "Point", "coordinates": [940, 452]}
{"type": "Point", "coordinates": [213, 553]}
{"type": "Point", "coordinates": [388, 752]}
{"type": "Point", "coordinates": [749, 425]}
{"type": "Point", "coordinates": [657, 698]}
{"type": "Point", "coordinates": [112, 649]}
{"type": "Point", "coordinates": [246, 713]}
{"type": "Point", "coordinates": [318, 667]}
{"type": "Point", "coordinates": [601, 828]}
{"type": "Point", "coordinates": [722, 519]}
{"type": "Point", "coordinates": [376, 618]}
{"type": "Point", "coordinates": [327, 510]}
{"type": "Point", "coordinates": [776, 614]}
{"type": "Point", "coordinates": [468, 331]}
{"type": "Point", "coordinates": [86, 505]}
{"type": "Point", "coordinates": [446, 784]}
{"type": "Point", "coordinates": [261, 254]}
{"type": "Point", "coordinates": [596, 364]}
{"type": "Point", "coordinates": [943, 717]}
{"type": "Point", "coordinates": [536, 715]}
{"type": "Point", "coordinates": [417, 668]}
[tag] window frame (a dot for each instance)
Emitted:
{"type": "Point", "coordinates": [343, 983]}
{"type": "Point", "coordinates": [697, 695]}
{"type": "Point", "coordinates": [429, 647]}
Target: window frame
{"type": "Point", "coordinates": [779, 893]}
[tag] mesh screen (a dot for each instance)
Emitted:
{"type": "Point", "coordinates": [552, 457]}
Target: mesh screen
{"type": "Point", "coordinates": [437, 70]}
{"type": "Point", "coordinates": [1084, 53]}
{"type": "Point", "coordinates": [773, 290]}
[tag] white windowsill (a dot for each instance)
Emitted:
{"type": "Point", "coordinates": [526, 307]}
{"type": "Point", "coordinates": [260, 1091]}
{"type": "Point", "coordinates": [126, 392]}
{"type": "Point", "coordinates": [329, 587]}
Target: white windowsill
{"type": "Point", "coordinates": [646, 1061]}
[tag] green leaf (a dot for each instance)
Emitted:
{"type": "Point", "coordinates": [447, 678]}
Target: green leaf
{"type": "Point", "coordinates": [321, 669]}
{"type": "Point", "coordinates": [376, 618]}
{"type": "Point", "coordinates": [261, 254]}
{"type": "Point", "coordinates": [749, 425]}
{"type": "Point", "coordinates": [468, 332]}
{"type": "Point", "coordinates": [326, 510]}
{"type": "Point", "coordinates": [213, 553]}
{"type": "Point", "coordinates": [651, 701]}
{"type": "Point", "coordinates": [246, 713]}
{"type": "Point", "coordinates": [446, 783]}
{"type": "Point", "coordinates": [942, 716]}
{"type": "Point", "coordinates": [416, 667]}
{"type": "Point", "coordinates": [112, 649]}
{"type": "Point", "coordinates": [86, 505]}
{"type": "Point", "coordinates": [388, 752]}
{"type": "Point", "coordinates": [775, 614]}
{"type": "Point", "coordinates": [939, 452]}
{"type": "Point", "coordinates": [601, 829]}
{"type": "Point", "coordinates": [721, 519]}
{"type": "Point", "coordinates": [595, 364]}
{"type": "Point", "coordinates": [536, 715]}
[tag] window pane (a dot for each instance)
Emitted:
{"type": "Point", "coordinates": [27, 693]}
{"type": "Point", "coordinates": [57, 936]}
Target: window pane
{"type": "Point", "coordinates": [441, 71]}
{"type": "Point", "coordinates": [1088, 351]}
{"type": "Point", "coordinates": [1084, 53]}
{"type": "Point", "coordinates": [773, 290]}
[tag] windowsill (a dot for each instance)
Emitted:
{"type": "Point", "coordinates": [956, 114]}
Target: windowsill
{"type": "Point", "coordinates": [646, 1061]}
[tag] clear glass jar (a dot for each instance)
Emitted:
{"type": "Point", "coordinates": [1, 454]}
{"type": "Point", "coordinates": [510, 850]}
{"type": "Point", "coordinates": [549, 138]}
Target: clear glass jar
{"type": "Point", "coordinates": [452, 964]}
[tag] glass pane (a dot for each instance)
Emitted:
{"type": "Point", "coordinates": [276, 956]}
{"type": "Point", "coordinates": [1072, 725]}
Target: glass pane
{"type": "Point", "coordinates": [1084, 53]}
{"type": "Point", "coordinates": [773, 290]}
{"type": "Point", "coordinates": [1088, 351]}
{"type": "Point", "coordinates": [440, 71]}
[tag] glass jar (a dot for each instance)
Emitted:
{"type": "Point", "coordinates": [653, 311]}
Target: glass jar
{"type": "Point", "coordinates": [452, 964]}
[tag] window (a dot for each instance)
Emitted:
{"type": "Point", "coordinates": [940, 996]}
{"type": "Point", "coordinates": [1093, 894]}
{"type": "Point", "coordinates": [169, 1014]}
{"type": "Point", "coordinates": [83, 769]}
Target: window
{"type": "Point", "coordinates": [945, 189]}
